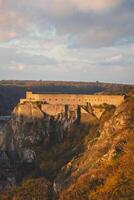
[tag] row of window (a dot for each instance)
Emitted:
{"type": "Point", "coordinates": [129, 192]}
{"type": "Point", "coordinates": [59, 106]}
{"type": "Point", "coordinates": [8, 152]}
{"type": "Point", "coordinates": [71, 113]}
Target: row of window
{"type": "Point", "coordinates": [76, 100]}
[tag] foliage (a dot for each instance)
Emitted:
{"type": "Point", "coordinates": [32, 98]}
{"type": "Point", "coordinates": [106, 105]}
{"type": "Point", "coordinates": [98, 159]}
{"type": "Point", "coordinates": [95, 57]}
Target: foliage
{"type": "Point", "coordinates": [113, 180]}
{"type": "Point", "coordinates": [33, 189]}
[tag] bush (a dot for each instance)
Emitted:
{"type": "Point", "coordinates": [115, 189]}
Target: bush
{"type": "Point", "coordinates": [33, 189]}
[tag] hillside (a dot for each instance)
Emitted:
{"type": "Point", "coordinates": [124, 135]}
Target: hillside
{"type": "Point", "coordinates": [105, 169]}
{"type": "Point", "coordinates": [92, 159]}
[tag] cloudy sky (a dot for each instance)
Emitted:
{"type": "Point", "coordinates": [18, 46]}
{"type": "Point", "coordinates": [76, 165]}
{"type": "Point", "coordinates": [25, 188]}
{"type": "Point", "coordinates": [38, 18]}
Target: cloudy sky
{"type": "Point", "coordinates": [80, 40]}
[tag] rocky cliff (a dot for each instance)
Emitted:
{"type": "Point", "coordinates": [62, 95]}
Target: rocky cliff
{"type": "Point", "coordinates": [31, 127]}
{"type": "Point", "coordinates": [84, 157]}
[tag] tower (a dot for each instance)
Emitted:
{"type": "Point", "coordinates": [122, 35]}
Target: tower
{"type": "Point", "coordinates": [28, 95]}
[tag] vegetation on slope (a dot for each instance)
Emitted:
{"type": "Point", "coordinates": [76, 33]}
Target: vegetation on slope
{"type": "Point", "coordinates": [106, 170]}
{"type": "Point", "coordinates": [32, 189]}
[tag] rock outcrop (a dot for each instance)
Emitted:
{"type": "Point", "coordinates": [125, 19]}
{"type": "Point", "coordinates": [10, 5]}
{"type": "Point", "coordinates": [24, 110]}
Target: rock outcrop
{"type": "Point", "coordinates": [33, 125]}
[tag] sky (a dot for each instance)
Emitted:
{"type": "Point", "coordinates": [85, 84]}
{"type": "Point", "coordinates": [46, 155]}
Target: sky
{"type": "Point", "coordinates": [73, 40]}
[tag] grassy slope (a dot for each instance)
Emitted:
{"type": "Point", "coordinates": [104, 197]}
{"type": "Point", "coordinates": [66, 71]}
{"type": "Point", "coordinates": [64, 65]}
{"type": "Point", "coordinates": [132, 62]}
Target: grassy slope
{"type": "Point", "coordinates": [106, 169]}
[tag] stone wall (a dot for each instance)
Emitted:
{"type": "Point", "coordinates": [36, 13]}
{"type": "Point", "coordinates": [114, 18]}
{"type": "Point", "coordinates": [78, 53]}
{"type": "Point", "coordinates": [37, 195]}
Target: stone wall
{"type": "Point", "coordinates": [72, 99]}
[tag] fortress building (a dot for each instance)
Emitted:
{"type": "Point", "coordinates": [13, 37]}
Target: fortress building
{"type": "Point", "coordinates": [54, 104]}
{"type": "Point", "coordinates": [74, 99]}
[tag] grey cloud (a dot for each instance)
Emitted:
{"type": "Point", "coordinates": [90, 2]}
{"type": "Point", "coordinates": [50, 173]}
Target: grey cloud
{"type": "Point", "coordinates": [77, 22]}
{"type": "Point", "coordinates": [104, 64]}
{"type": "Point", "coordinates": [8, 56]}
{"type": "Point", "coordinates": [86, 29]}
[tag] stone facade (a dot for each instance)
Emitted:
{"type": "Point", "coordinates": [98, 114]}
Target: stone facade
{"type": "Point", "coordinates": [74, 99]}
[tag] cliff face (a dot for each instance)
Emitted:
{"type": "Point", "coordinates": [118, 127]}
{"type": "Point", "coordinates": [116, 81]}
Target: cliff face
{"type": "Point", "coordinates": [31, 126]}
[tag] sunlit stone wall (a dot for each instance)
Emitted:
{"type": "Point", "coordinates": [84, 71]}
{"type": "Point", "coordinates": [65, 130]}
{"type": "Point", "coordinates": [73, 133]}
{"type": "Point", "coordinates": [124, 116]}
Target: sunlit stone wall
{"type": "Point", "coordinates": [74, 99]}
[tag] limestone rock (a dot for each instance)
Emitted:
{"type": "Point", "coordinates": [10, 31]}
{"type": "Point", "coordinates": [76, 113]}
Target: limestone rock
{"type": "Point", "coordinates": [34, 125]}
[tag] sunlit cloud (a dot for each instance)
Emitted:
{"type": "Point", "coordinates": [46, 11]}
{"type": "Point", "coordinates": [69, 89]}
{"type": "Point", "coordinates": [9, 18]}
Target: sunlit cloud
{"type": "Point", "coordinates": [12, 25]}
{"type": "Point", "coordinates": [60, 7]}
{"type": "Point", "coordinates": [7, 35]}
{"type": "Point", "coordinates": [17, 66]}
{"type": "Point", "coordinates": [96, 5]}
